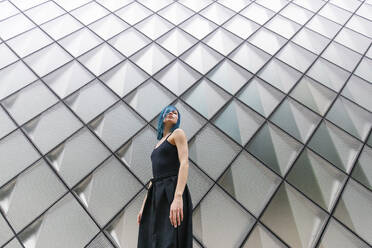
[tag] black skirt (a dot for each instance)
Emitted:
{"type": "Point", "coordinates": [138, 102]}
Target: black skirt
{"type": "Point", "coordinates": [155, 229]}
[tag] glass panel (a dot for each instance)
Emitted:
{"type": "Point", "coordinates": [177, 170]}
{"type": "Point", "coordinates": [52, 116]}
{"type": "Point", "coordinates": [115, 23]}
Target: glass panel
{"type": "Point", "coordinates": [261, 238]}
{"type": "Point", "coordinates": [14, 25]}
{"type": "Point", "coordinates": [176, 41]}
{"type": "Point", "coordinates": [15, 143]}
{"type": "Point", "coordinates": [279, 75]}
{"type": "Point", "coordinates": [364, 69]}
{"type": "Point", "coordinates": [117, 125]}
{"type": "Point", "coordinates": [311, 40]}
{"type": "Point", "coordinates": [354, 209]}
{"type": "Point", "coordinates": [129, 41]}
{"type": "Point", "coordinates": [133, 13]}
{"type": "Point", "coordinates": [14, 77]}
{"type": "Point", "coordinates": [198, 183]}
{"type": "Point", "coordinates": [44, 12]}
{"type": "Point", "coordinates": [208, 215]}
{"type": "Point", "coordinates": [338, 236]}
{"type": "Point", "coordinates": [295, 119]}
{"type": "Point", "coordinates": [137, 156]}
{"type": "Point", "coordinates": [113, 5]}
{"type": "Point", "coordinates": [267, 40]}
{"type": "Point", "coordinates": [350, 117]}
{"type": "Point", "coordinates": [275, 6]}
{"type": "Point", "coordinates": [100, 242]}
{"type": "Point", "coordinates": [260, 96]}
{"type": "Point", "coordinates": [24, 105]}
{"type": "Point", "coordinates": [223, 41]}
{"type": "Point", "coordinates": [350, 5]}
{"type": "Point", "coordinates": [223, 152]}
{"type": "Point", "coordinates": [283, 26]}
{"type": "Point", "coordinates": [13, 244]}
{"type": "Point", "coordinates": [107, 190]}
{"type": "Point", "coordinates": [51, 127]}
{"type": "Point", "coordinates": [80, 42]}
{"type": "Point", "coordinates": [91, 100]}
{"type": "Point", "coordinates": [369, 53]}
{"type": "Point", "coordinates": [198, 26]}
{"type": "Point", "coordinates": [7, 56]}
{"type": "Point", "coordinates": [353, 40]}
{"type": "Point", "coordinates": [65, 224]}
{"type": "Point", "coordinates": [29, 42]}
{"type": "Point", "coordinates": [123, 230]}
{"type": "Point", "coordinates": [313, 5]}
{"type": "Point", "coordinates": [7, 9]}
{"type": "Point", "coordinates": [69, 5]}
{"type": "Point", "coordinates": [6, 124]}
{"type": "Point", "coordinates": [359, 91]}
{"type": "Point", "coordinates": [22, 5]}
{"type": "Point", "coordinates": [197, 98]}
{"type": "Point", "coordinates": [335, 13]}
{"type": "Point", "coordinates": [94, 59]}
{"type": "Point", "coordinates": [177, 77]}
{"type": "Point", "coordinates": [234, 25]}
{"type": "Point", "coordinates": [196, 5]}
{"type": "Point", "coordinates": [317, 178]}
{"type": "Point", "coordinates": [335, 145]}
{"type": "Point", "coordinates": [323, 26]}
{"type": "Point", "coordinates": [363, 169]}
{"type": "Point", "coordinates": [89, 13]}
{"type": "Point", "coordinates": [155, 5]}
{"type": "Point", "coordinates": [274, 148]}
{"type": "Point", "coordinates": [5, 231]}
{"type": "Point", "coordinates": [68, 78]}
{"type": "Point", "coordinates": [249, 57]}
{"type": "Point", "coordinates": [328, 74]}
{"type": "Point", "coordinates": [341, 56]}
{"type": "Point", "coordinates": [123, 78]}
{"type": "Point", "coordinates": [296, 56]}
{"type": "Point", "coordinates": [294, 218]}
{"type": "Point", "coordinates": [257, 13]}
{"type": "Point", "coordinates": [296, 13]}
{"type": "Point", "coordinates": [201, 58]}
{"type": "Point", "coordinates": [175, 13]}
{"type": "Point", "coordinates": [152, 58]}
{"type": "Point", "coordinates": [250, 182]}
{"type": "Point", "coordinates": [154, 26]}
{"type": "Point", "coordinates": [217, 13]}
{"type": "Point", "coordinates": [235, 5]}
{"type": "Point", "coordinates": [108, 26]}
{"type": "Point", "coordinates": [365, 10]}
{"type": "Point", "coordinates": [360, 25]}
{"type": "Point", "coordinates": [47, 59]}
{"type": "Point", "coordinates": [229, 76]}
{"type": "Point", "coordinates": [147, 97]}
{"type": "Point", "coordinates": [82, 149]}
{"type": "Point", "coordinates": [61, 26]}
{"type": "Point", "coordinates": [320, 98]}
{"type": "Point", "coordinates": [26, 197]}
{"type": "Point", "coordinates": [238, 121]}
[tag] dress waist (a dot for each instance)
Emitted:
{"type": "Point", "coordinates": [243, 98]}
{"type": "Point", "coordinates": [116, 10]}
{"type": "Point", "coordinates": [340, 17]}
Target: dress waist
{"type": "Point", "coordinates": [164, 175]}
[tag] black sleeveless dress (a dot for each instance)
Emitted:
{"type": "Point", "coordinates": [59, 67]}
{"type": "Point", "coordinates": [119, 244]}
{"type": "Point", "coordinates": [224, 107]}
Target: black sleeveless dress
{"type": "Point", "coordinates": [155, 228]}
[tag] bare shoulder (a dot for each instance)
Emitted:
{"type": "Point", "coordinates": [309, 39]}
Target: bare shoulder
{"type": "Point", "coordinates": [179, 136]}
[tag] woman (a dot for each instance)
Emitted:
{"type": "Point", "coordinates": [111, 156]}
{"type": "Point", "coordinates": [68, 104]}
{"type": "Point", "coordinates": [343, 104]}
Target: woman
{"type": "Point", "coordinates": [165, 218]}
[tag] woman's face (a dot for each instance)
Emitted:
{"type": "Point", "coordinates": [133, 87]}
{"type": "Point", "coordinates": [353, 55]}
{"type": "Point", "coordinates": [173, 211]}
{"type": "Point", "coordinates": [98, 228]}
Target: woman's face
{"type": "Point", "coordinates": [172, 117]}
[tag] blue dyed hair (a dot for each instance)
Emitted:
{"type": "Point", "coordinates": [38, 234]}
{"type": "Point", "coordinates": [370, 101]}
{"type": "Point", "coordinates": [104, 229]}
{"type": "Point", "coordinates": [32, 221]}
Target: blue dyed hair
{"type": "Point", "coordinates": [162, 115]}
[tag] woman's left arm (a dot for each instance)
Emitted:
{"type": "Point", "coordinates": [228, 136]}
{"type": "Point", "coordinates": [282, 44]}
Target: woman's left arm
{"type": "Point", "coordinates": [176, 210]}
{"type": "Point", "coordinates": [183, 156]}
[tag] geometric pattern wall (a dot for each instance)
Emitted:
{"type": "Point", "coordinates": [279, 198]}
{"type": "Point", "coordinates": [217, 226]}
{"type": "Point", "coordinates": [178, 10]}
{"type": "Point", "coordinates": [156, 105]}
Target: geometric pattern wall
{"type": "Point", "coordinates": [275, 98]}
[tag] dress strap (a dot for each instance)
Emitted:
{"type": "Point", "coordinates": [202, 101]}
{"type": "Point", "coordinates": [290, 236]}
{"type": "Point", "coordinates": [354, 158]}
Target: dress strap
{"type": "Point", "coordinates": [168, 135]}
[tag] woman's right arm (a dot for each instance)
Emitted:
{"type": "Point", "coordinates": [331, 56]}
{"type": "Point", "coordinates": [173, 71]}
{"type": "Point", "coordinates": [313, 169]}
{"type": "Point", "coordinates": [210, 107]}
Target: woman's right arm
{"type": "Point", "coordinates": [144, 200]}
